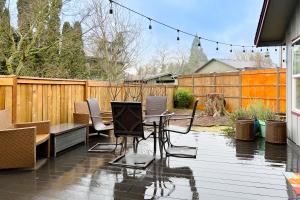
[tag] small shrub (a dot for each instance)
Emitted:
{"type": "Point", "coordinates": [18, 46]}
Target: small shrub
{"type": "Point", "coordinates": [182, 98]}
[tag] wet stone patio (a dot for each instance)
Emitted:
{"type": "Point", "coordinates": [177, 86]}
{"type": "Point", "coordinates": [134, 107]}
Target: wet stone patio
{"type": "Point", "coordinates": [224, 169]}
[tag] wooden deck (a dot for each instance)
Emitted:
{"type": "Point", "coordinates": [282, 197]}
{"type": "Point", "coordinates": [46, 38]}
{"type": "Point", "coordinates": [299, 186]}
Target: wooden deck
{"type": "Point", "coordinates": [224, 169]}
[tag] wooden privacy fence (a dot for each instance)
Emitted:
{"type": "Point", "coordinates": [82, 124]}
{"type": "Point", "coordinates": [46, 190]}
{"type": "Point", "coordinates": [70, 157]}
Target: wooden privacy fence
{"type": "Point", "coordinates": [35, 99]}
{"type": "Point", "coordinates": [240, 88]}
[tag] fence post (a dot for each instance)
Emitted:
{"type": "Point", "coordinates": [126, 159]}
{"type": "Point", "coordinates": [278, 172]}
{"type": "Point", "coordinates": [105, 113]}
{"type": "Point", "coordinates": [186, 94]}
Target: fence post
{"type": "Point", "coordinates": [14, 100]}
{"type": "Point", "coordinates": [86, 90]}
{"type": "Point", "coordinates": [215, 82]}
{"type": "Point", "coordinates": [241, 88]}
{"type": "Point", "coordinates": [277, 89]}
{"type": "Point", "coordinates": [193, 86]}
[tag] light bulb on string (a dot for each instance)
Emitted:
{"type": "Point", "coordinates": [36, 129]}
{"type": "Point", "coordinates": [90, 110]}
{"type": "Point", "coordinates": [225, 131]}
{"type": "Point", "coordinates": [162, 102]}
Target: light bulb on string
{"type": "Point", "coordinates": [110, 9]}
{"type": "Point", "coordinates": [260, 49]}
{"type": "Point", "coordinates": [252, 49]}
{"type": "Point", "coordinates": [199, 43]}
{"type": "Point", "coordinates": [231, 48]}
{"type": "Point", "coordinates": [275, 48]}
{"type": "Point", "coordinates": [150, 26]}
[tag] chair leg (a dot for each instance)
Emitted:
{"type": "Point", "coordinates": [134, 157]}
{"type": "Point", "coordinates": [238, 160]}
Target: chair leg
{"type": "Point", "coordinates": [154, 151]}
{"type": "Point", "coordinates": [174, 150]}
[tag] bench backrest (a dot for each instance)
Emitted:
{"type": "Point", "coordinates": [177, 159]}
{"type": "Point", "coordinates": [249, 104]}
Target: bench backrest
{"type": "Point", "coordinates": [81, 107]}
{"type": "Point", "coordinates": [5, 120]}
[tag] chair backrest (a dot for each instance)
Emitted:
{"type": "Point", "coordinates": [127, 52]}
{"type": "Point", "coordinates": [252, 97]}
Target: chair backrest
{"type": "Point", "coordinates": [5, 120]}
{"type": "Point", "coordinates": [156, 105]}
{"type": "Point", "coordinates": [81, 107]}
{"type": "Point", "coordinates": [193, 115]}
{"type": "Point", "coordinates": [127, 119]}
{"type": "Point", "coordinates": [95, 113]}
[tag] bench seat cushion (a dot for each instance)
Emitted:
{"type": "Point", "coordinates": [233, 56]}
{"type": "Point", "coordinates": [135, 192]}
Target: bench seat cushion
{"type": "Point", "coordinates": [41, 138]}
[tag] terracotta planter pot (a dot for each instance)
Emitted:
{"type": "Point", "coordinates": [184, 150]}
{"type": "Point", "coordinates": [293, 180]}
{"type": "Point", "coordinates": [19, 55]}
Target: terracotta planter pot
{"type": "Point", "coordinates": [244, 129]}
{"type": "Point", "coordinates": [276, 132]}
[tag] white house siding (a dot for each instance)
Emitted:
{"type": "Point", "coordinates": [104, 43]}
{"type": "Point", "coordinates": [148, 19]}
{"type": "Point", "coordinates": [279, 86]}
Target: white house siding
{"type": "Point", "coordinates": [293, 120]}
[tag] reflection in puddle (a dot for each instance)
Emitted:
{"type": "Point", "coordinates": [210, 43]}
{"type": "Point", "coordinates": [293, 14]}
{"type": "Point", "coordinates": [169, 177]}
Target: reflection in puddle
{"type": "Point", "coordinates": [259, 149]}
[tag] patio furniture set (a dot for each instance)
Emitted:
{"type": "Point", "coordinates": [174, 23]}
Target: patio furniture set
{"type": "Point", "coordinates": [29, 145]}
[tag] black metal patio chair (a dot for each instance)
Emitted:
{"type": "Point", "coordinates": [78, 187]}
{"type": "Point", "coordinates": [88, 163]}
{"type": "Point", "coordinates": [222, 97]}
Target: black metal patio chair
{"type": "Point", "coordinates": [181, 151]}
{"type": "Point", "coordinates": [156, 105]}
{"type": "Point", "coordinates": [128, 122]}
{"type": "Point", "coordinates": [100, 128]}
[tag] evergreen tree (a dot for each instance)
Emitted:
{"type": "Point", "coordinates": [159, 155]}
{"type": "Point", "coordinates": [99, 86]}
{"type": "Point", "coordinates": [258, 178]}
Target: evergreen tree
{"type": "Point", "coordinates": [52, 36]}
{"type": "Point", "coordinates": [24, 15]}
{"type": "Point", "coordinates": [72, 57]}
{"type": "Point", "coordinates": [79, 61]}
{"type": "Point", "coordinates": [197, 57]}
{"type": "Point", "coordinates": [66, 54]}
{"type": "Point", "coordinates": [5, 36]}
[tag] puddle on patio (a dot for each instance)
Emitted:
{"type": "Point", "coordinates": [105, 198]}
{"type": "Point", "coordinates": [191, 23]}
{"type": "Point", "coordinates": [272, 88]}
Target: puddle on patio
{"type": "Point", "coordinates": [224, 169]}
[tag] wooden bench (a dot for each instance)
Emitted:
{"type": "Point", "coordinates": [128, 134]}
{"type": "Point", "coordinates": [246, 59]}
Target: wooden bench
{"type": "Point", "coordinates": [64, 136]}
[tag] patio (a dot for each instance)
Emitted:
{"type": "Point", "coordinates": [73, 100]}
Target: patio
{"type": "Point", "coordinates": [224, 169]}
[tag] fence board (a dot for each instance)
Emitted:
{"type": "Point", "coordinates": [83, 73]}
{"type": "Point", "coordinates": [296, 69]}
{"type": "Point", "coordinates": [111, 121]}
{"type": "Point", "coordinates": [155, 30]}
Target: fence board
{"type": "Point", "coordinates": [240, 89]}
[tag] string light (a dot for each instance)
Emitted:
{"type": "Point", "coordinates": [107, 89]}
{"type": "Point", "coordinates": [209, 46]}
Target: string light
{"type": "Point", "coordinates": [183, 32]}
{"type": "Point", "coordinates": [252, 49]}
{"type": "Point", "coordinates": [267, 50]}
{"type": "Point", "coordinates": [260, 49]}
{"type": "Point", "coordinates": [110, 9]}
{"type": "Point", "coordinates": [199, 43]}
{"type": "Point", "coordinates": [150, 26]}
{"type": "Point", "coordinates": [275, 49]}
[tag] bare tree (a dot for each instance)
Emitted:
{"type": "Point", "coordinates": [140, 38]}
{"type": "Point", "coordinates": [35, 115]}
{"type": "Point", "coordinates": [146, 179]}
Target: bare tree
{"type": "Point", "coordinates": [113, 40]}
{"type": "Point", "coordinates": [260, 59]}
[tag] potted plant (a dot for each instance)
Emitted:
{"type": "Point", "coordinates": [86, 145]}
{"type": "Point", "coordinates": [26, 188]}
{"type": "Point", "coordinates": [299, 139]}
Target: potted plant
{"type": "Point", "coordinates": [276, 130]}
{"type": "Point", "coordinates": [245, 125]}
{"type": "Point", "coordinates": [263, 116]}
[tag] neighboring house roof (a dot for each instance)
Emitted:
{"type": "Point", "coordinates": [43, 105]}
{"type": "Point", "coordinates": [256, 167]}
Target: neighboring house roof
{"type": "Point", "coordinates": [157, 76]}
{"type": "Point", "coordinates": [153, 77]}
{"type": "Point", "coordinates": [274, 20]}
{"type": "Point", "coordinates": [234, 64]}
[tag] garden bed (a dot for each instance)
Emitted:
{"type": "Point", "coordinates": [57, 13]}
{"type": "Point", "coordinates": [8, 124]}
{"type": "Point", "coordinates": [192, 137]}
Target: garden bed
{"type": "Point", "coordinates": [201, 119]}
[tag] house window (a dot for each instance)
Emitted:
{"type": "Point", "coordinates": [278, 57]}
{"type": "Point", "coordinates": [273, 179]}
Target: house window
{"type": "Point", "coordinates": [296, 74]}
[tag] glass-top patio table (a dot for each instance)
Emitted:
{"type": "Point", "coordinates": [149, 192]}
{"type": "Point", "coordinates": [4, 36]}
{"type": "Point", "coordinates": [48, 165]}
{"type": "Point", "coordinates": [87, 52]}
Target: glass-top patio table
{"type": "Point", "coordinates": [161, 121]}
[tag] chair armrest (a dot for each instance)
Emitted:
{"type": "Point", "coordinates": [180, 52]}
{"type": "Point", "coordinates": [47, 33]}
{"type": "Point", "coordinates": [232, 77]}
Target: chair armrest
{"type": "Point", "coordinates": [162, 115]}
{"type": "Point", "coordinates": [81, 118]}
{"type": "Point", "coordinates": [180, 118]}
{"type": "Point", "coordinates": [17, 148]}
{"type": "Point", "coordinates": [41, 127]}
{"type": "Point", "coordinates": [106, 112]}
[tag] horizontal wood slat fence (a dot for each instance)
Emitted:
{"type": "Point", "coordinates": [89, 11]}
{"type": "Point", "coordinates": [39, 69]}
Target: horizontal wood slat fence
{"type": "Point", "coordinates": [240, 88]}
{"type": "Point", "coordinates": [35, 99]}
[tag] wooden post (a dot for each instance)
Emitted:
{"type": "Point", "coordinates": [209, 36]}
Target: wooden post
{"type": "Point", "coordinates": [193, 86]}
{"type": "Point", "coordinates": [14, 100]}
{"type": "Point", "coordinates": [241, 88]}
{"type": "Point", "coordinates": [215, 83]}
{"type": "Point", "coordinates": [86, 90]}
{"type": "Point", "coordinates": [277, 89]}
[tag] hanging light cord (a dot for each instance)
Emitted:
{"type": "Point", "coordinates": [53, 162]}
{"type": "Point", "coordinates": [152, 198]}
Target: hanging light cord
{"type": "Point", "coordinates": [176, 29]}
